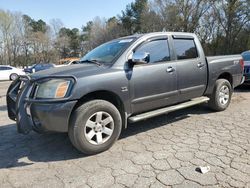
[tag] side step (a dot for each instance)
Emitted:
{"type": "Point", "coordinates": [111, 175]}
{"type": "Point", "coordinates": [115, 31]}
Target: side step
{"type": "Point", "coordinates": [168, 109]}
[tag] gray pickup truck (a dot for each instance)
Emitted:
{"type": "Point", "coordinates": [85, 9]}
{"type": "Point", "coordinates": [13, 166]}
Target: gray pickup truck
{"type": "Point", "coordinates": [127, 79]}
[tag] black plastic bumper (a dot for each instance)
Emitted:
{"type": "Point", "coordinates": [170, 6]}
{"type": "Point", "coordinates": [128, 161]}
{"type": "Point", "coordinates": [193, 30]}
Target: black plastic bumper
{"type": "Point", "coordinates": [31, 114]}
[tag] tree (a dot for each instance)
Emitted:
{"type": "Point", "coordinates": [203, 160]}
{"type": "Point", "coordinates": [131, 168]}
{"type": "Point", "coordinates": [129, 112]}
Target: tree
{"type": "Point", "coordinates": [6, 22]}
{"type": "Point", "coordinates": [70, 40]}
{"type": "Point", "coordinates": [56, 25]}
{"type": "Point", "coordinates": [181, 15]}
{"type": "Point", "coordinates": [132, 16]}
{"type": "Point", "coordinates": [16, 37]}
{"type": "Point", "coordinates": [99, 31]}
{"type": "Point", "coordinates": [151, 21]}
{"type": "Point", "coordinates": [233, 16]}
{"type": "Point", "coordinates": [222, 26]}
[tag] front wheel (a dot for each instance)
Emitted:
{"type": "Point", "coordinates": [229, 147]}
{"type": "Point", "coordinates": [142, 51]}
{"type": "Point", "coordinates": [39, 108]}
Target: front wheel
{"type": "Point", "coordinates": [221, 97]}
{"type": "Point", "coordinates": [95, 126]}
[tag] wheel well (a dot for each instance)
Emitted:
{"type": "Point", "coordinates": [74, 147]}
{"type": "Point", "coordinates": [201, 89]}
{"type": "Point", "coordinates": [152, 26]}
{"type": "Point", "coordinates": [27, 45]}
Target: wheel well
{"type": "Point", "coordinates": [227, 76]}
{"type": "Point", "coordinates": [108, 96]}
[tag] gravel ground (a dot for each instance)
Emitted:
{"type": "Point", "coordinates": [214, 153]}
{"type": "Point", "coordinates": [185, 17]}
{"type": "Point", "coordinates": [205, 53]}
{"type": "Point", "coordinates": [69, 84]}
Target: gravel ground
{"type": "Point", "coordinates": [160, 152]}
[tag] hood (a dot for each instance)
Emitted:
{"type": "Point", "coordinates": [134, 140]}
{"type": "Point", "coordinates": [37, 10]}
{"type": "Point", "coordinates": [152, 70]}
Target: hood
{"type": "Point", "coordinates": [79, 70]}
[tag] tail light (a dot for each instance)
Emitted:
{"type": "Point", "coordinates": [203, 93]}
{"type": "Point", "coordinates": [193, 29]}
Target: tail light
{"type": "Point", "coordinates": [242, 64]}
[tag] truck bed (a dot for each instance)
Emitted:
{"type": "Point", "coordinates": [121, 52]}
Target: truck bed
{"type": "Point", "coordinates": [210, 59]}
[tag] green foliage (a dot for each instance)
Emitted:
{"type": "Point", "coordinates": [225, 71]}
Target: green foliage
{"type": "Point", "coordinates": [132, 16]}
{"type": "Point", "coordinates": [35, 26]}
{"type": "Point", "coordinates": [74, 37]}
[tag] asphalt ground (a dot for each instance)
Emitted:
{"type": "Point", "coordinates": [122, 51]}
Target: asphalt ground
{"type": "Point", "coordinates": [159, 152]}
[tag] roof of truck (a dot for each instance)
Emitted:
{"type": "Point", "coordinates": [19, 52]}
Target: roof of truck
{"type": "Point", "coordinates": [158, 34]}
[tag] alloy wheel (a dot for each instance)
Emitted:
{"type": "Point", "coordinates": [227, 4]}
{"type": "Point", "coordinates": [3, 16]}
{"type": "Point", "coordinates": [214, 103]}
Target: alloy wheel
{"type": "Point", "coordinates": [99, 128]}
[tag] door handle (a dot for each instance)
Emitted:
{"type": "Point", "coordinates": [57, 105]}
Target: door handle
{"type": "Point", "coordinates": [200, 65]}
{"type": "Point", "coordinates": [170, 69]}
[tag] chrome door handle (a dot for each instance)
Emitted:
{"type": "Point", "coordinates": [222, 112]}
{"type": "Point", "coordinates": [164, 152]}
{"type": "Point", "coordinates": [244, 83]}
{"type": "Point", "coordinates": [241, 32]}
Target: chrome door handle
{"type": "Point", "coordinates": [199, 65]}
{"type": "Point", "coordinates": [170, 69]}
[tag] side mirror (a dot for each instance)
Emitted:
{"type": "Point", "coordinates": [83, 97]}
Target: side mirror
{"type": "Point", "coordinates": [141, 58]}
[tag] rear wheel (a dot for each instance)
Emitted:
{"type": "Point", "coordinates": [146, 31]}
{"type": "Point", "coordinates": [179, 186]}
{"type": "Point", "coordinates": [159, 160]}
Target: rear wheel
{"type": "Point", "coordinates": [221, 97]}
{"type": "Point", "coordinates": [13, 76]}
{"type": "Point", "coordinates": [95, 126]}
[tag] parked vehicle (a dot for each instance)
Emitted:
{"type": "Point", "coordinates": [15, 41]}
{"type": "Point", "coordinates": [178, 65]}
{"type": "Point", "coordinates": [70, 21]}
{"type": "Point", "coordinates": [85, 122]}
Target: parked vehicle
{"type": "Point", "coordinates": [69, 62]}
{"type": "Point", "coordinates": [39, 67]}
{"type": "Point", "coordinates": [246, 57]}
{"type": "Point", "coordinates": [73, 62]}
{"type": "Point", "coordinates": [10, 73]}
{"type": "Point", "coordinates": [128, 79]}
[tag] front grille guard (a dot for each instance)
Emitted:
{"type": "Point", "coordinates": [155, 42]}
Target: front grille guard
{"type": "Point", "coordinates": [19, 100]}
{"type": "Point", "coordinates": [16, 106]}
{"type": "Point", "coordinates": [13, 92]}
{"type": "Point", "coordinates": [25, 83]}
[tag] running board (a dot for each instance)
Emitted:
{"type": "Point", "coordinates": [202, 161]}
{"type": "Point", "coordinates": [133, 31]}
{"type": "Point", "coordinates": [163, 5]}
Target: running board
{"type": "Point", "coordinates": [168, 109]}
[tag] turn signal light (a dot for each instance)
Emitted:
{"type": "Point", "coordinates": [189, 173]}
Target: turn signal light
{"type": "Point", "coordinates": [62, 89]}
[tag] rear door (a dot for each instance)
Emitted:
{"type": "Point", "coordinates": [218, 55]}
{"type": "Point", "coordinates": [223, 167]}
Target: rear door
{"type": "Point", "coordinates": [153, 85]}
{"type": "Point", "coordinates": [191, 68]}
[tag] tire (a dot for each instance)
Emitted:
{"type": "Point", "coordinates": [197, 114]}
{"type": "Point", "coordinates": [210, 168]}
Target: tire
{"type": "Point", "coordinates": [13, 76]}
{"type": "Point", "coordinates": [88, 131]}
{"type": "Point", "coordinates": [221, 97]}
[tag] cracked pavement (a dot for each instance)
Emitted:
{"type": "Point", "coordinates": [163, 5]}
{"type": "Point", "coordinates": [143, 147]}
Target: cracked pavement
{"type": "Point", "coordinates": [160, 152]}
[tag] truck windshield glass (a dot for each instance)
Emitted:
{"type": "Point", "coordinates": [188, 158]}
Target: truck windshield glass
{"type": "Point", "coordinates": [106, 53]}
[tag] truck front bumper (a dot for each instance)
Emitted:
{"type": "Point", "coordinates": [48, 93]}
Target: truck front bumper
{"type": "Point", "coordinates": [31, 114]}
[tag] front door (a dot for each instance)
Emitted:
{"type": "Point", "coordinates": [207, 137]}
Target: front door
{"type": "Point", "coordinates": [153, 85]}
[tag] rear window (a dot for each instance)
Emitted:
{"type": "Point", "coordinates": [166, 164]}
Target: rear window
{"type": "Point", "coordinates": [185, 49]}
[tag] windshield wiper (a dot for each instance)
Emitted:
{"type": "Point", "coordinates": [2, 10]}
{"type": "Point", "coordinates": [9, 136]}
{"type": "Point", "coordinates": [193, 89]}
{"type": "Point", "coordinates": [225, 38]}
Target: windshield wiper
{"type": "Point", "coordinates": [91, 61]}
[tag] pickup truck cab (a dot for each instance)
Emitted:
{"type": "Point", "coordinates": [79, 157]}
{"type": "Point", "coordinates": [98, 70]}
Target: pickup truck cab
{"type": "Point", "coordinates": [127, 79]}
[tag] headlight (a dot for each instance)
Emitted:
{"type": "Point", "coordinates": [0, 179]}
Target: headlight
{"type": "Point", "coordinates": [53, 89]}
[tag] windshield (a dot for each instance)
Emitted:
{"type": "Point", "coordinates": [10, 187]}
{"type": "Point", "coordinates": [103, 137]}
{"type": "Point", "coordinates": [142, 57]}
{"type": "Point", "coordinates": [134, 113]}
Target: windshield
{"type": "Point", "coordinates": [106, 53]}
{"type": "Point", "coordinates": [32, 66]}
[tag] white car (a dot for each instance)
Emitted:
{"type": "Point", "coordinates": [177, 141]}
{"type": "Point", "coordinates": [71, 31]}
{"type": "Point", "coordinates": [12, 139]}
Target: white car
{"type": "Point", "coordinates": [10, 73]}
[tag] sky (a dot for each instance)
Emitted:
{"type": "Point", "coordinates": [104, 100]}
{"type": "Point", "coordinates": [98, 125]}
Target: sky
{"type": "Point", "coordinates": [72, 13]}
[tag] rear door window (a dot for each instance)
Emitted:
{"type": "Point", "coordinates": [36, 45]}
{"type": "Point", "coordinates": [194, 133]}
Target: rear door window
{"type": "Point", "coordinates": [185, 49]}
